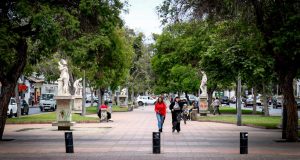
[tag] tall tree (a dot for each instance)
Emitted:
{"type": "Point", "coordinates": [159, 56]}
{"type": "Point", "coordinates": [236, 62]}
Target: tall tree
{"type": "Point", "coordinates": [47, 26]}
{"type": "Point", "coordinates": [277, 22]}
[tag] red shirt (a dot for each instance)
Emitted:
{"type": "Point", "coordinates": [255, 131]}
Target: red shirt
{"type": "Point", "coordinates": [161, 108]}
{"type": "Point", "coordinates": [103, 106]}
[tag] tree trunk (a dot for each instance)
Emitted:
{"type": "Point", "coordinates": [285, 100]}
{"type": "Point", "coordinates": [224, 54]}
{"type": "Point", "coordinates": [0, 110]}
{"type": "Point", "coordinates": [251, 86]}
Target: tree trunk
{"type": "Point", "coordinates": [9, 81]}
{"type": "Point", "coordinates": [6, 92]}
{"type": "Point", "coordinates": [17, 96]}
{"type": "Point", "coordinates": [71, 82]}
{"type": "Point", "coordinates": [92, 97]}
{"type": "Point", "coordinates": [254, 100]}
{"type": "Point", "coordinates": [113, 97]}
{"type": "Point", "coordinates": [265, 102]}
{"type": "Point", "coordinates": [132, 96]}
{"type": "Point", "coordinates": [291, 108]}
{"type": "Point", "coordinates": [210, 92]}
{"type": "Point", "coordinates": [99, 97]}
{"type": "Point", "coordinates": [210, 96]}
{"type": "Point", "coordinates": [187, 98]}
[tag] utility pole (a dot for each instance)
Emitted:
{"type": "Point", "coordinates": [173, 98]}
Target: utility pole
{"type": "Point", "coordinates": [83, 95]}
{"type": "Point", "coordinates": [239, 110]}
{"type": "Point", "coordinates": [18, 100]}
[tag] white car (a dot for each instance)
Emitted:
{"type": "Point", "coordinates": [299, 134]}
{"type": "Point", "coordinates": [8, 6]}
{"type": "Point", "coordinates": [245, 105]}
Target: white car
{"type": "Point", "coordinates": [141, 100]}
{"type": "Point", "coordinates": [47, 102]}
{"type": "Point", "coordinates": [88, 98]}
{"type": "Point", "coordinates": [12, 108]}
{"type": "Point", "coordinates": [192, 98]}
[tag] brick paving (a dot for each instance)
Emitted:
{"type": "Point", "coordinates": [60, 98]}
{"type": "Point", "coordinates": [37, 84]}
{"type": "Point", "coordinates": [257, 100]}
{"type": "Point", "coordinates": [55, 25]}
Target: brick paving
{"type": "Point", "coordinates": [129, 137]}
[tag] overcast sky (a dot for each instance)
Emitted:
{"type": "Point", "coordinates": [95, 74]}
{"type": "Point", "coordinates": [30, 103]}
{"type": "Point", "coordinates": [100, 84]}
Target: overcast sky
{"type": "Point", "coordinates": [142, 16]}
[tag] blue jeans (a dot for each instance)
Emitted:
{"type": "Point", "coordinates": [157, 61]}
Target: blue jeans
{"type": "Point", "coordinates": [160, 120]}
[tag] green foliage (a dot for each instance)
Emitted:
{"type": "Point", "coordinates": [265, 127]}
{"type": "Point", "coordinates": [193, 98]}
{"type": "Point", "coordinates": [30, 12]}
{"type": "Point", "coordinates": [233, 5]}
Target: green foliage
{"type": "Point", "coordinates": [230, 110]}
{"type": "Point", "coordinates": [261, 121]}
{"type": "Point", "coordinates": [48, 118]}
{"type": "Point", "coordinates": [176, 59]}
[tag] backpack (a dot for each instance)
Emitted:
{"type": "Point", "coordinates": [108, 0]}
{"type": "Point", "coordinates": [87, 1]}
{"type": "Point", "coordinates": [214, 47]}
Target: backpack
{"type": "Point", "coordinates": [176, 106]}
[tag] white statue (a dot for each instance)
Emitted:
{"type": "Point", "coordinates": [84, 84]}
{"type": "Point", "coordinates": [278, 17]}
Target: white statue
{"type": "Point", "coordinates": [123, 92]}
{"type": "Point", "coordinates": [203, 85]}
{"type": "Point", "coordinates": [63, 81]}
{"type": "Point", "coordinates": [78, 87]}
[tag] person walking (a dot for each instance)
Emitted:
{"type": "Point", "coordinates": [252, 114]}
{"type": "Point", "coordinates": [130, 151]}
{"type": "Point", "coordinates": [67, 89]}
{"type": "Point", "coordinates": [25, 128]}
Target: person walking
{"type": "Point", "coordinates": [160, 110]}
{"type": "Point", "coordinates": [216, 105]}
{"type": "Point", "coordinates": [176, 109]}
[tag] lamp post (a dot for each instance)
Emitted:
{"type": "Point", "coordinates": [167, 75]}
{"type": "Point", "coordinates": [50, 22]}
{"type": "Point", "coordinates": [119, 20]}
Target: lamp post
{"type": "Point", "coordinates": [18, 98]}
{"type": "Point", "coordinates": [239, 110]}
{"type": "Point", "coordinates": [83, 95]}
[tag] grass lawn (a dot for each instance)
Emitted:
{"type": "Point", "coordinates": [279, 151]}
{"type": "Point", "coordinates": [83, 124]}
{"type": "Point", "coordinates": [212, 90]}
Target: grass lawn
{"type": "Point", "coordinates": [230, 110]}
{"type": "Point", "coordinates": [255, 120]}
{"type": "Point", "coordinates": [48, 118]}
{"type": "Point", "coordinates": [93, 109]}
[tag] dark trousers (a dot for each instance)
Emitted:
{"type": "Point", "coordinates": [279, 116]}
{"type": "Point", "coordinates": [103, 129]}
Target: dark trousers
{"type": "Point", "coordinates": [176, 120]}
{"type": "Point", "coordinates": [216, 109]}
{"type": "Point", "coordinates": [108, 114]}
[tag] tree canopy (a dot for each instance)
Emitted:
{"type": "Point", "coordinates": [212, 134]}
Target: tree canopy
{"type": "Point", "coordinates": [258, 35]}
{"type": "Point", "coordinates": [88, 32]}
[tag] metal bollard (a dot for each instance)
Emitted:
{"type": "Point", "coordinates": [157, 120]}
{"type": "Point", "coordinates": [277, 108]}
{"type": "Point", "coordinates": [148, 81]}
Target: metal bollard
{"type": "Point", "coordinates": [156, 142]}
{"type": "Point", "coordinates": [69, 142]}
{"type": "Point", "coordinates": [243, 142]}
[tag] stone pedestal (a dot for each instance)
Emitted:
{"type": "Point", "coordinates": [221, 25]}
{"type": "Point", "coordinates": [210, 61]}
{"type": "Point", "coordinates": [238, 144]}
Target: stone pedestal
{"type": "Point", "coordinates": [64, 113]}
{"type": "Point", "coordinates": [123, 101]}
{"type": "Point", "coordinates": [203, 106]}
{"type": "Point", "coordinates": [77, 104]}
{"type": "Point", "coordinates": [194, 115]}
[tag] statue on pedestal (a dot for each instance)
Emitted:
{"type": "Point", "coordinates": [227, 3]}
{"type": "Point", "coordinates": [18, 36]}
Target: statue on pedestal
{"type": "Point", "coordinates": [63, 81]}
{"type": "Point", "coordinates": [78, 87]}
{"type": "Point", "coordinates": [203, 85]}
{"type": "Point", "coordinates": [123, 92]}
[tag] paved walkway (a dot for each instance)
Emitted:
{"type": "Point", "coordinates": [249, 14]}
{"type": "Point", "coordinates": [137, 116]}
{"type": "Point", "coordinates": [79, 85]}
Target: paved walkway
{"type": "Point", "coordinates": [129, 137]}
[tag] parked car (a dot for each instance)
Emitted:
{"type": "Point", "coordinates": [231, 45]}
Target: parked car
{"type": "Point", "coordinates": [24, 107]}
{"type": "Point", "coordinates": [141, 100]}
{"type": "Point", "coordinates": [224, 100]}
{"type": "Point", "coordinates": [249, 101]}
{"type": "Point", "coordinates": [192, 97]}
{"type": "Point", "coordinates": [232, 99]}
{"type": "Point", "coordinates": [88, 98]}
{"type": "Point", "coordinates": [47, 102]}
{"type": "Point", "coordinates": [279, 102]}
{"type": "Point", "coordinates": [12, 108]}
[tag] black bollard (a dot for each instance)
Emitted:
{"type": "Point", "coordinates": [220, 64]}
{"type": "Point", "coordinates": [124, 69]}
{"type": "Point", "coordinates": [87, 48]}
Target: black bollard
{"type": "Point", "coordinates": [69, 142]}
{"type": "Point", "coordinates": [156, 142]}
{"type": "Point", "coordinates": [243, 142]}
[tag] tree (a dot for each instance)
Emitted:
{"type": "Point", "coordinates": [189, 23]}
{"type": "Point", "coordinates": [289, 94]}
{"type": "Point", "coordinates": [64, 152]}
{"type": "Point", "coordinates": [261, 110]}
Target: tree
{"type": "Point", "coordinates": [33, 30]}
{"type": "Point", "coordinates": [275, 20]}
{"type": "Point", "coordinates": [176, 59]}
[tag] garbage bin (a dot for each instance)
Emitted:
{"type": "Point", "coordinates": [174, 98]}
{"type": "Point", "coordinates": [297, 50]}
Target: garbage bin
{"type": "Point", "coordinates": [243, 142]}
{"type": "Point", "coordinates": [156, 142]}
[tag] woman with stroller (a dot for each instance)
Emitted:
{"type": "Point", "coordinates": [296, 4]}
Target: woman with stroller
{"type": "Point", "coordinates": [176, 109]}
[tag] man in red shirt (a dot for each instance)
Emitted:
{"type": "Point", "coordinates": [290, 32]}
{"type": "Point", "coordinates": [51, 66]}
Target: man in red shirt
{"type": "Point", "coordinates": [160, 110]}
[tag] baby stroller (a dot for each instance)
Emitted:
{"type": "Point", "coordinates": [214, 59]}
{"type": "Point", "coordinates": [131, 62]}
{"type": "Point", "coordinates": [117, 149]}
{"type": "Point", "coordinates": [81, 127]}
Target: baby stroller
{"type": "Point", "coordinates": [185, 114]}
